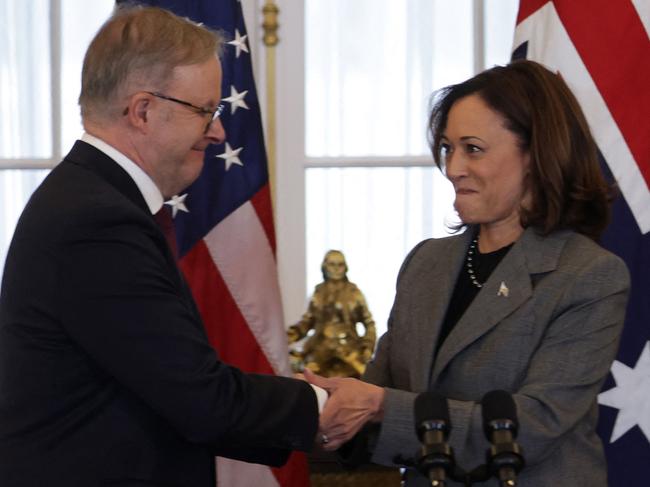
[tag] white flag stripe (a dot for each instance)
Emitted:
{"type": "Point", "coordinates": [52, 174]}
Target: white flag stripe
{"type": "Point", "coordinates": [240, 249]}
{"type": "Point", "coordinates": [643, 9]}
{"type": "Point", "coordinates": [233, 473]}
{"type": "Point", "coordinates": [549, 44]}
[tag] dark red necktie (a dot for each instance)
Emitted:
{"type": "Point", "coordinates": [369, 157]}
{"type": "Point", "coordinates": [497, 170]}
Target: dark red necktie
{"type": "Point", "coordinates": [166, 224]}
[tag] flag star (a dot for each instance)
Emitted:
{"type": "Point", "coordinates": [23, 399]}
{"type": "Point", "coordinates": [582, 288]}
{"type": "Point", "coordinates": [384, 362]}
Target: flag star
{"type": "Point", "coordinates": [231, 156]}
{"type": "Point", "coordinates": [631, 396]}
{"type": "Point", "coordinates": [239, 43]}
{"type": "Point", "coordinates": [236, 100]}
{"type": "Point", "coordinates": [177, 203]}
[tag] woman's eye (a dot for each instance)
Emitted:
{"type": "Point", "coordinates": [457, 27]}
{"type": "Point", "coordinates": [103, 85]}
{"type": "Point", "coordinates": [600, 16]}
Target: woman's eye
{"type": "Point", "coordinates": [471, 148]}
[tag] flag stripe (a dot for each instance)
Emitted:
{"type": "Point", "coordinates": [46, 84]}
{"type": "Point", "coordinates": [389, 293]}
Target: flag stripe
{"type": "Point", "coordinates": [643, 9]}
{"type": "Point", "coordinates": [230, 474]}
{"type": "Point", "coordinates": [528, 7]}
{"type": "Point", "coordinates": [295, 472]}
{"type": "Point", "coordinates": [242, 253]}
{"type": "Point", "coordinates": [225, 326]}
{"type": "Point", "coordinates": [610, 63]}
{"type": "Point", "coordinates": [262, 203]}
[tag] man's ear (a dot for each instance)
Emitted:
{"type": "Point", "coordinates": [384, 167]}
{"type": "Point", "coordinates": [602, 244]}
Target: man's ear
{"type": "Point", "coordinates": [137, 111]}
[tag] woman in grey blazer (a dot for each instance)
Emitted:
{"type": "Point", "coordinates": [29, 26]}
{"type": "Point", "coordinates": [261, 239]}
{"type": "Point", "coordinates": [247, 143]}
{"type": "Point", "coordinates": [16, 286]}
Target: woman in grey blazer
{"type": "Point", "coordinates": [523, 301]}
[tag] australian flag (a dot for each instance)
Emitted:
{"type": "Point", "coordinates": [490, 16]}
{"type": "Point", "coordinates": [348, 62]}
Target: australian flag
{"type": "Point", "coordinates": [602, 50]}
{"type": "Point", "coordinates": [225, 236]}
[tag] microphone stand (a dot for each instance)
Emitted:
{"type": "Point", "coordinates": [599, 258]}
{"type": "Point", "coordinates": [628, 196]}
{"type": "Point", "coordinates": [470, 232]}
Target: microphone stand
{"type": "Point", "coordinates": [504, 457]}
{"type": "Point", "coordinates": [432, 424]}
{"type": "Point", "coordinates": [477, 474]}
{"type": "Point", "coordinates": [436, 459]}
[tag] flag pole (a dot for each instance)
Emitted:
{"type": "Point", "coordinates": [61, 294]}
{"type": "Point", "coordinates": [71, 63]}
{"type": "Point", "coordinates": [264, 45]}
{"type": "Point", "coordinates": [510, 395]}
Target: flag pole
{"type": "Point", "coordinates": [270, 26]}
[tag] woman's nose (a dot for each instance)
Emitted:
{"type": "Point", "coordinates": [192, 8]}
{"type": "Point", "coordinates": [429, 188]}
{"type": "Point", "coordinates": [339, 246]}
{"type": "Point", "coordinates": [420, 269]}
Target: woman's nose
{"type": "Point", "coordinates": [454, 166]}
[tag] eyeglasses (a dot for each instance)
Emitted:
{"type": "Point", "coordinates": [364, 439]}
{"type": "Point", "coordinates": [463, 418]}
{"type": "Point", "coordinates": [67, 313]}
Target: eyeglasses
{"type": "Point", "coordinates": [214, 114]}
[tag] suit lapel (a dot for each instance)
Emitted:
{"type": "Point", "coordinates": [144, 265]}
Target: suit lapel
{"type": "Point", "coordinates": [508, 288]}
{"type": "Point", "coordinates": [440, 276]}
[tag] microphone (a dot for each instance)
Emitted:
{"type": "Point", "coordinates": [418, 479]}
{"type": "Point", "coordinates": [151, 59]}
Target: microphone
{"type": "Point", "coordinates": [505, 457]}
{"type": "Point", "coordinates": [432, 423]}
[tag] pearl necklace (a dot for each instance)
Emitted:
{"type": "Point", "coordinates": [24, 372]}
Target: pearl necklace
{"type": "Point", "coordinates": [468, 263]}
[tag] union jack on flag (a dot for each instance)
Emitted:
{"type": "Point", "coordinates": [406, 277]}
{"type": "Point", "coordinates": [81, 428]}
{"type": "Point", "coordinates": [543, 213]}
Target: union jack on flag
{"type": "Point", "coordinates": [602, 50]}
{"type": "Point", "coordinates": [225, 236]}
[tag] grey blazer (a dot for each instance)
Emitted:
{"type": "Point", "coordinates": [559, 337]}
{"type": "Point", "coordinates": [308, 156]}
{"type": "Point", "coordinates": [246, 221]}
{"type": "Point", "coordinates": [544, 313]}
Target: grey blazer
{"type": "Point", "coordinates": [549, 340]}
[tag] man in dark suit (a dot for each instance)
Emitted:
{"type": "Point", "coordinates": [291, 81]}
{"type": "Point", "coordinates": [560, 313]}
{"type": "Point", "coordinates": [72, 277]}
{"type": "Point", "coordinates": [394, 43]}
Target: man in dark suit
{"type": "Point", "coordinates": [106, 374]}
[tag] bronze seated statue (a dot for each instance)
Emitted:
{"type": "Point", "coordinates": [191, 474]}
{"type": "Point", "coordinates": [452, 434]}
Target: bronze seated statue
{"type": "Point", "coordinates": [334, 348]}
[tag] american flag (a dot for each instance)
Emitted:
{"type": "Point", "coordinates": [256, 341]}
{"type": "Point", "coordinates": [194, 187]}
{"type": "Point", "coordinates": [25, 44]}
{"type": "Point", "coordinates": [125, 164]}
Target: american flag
{"type": "Point", "coordinates": [602, 50]}
{"type": "Point", "coordinates": [225, 235]}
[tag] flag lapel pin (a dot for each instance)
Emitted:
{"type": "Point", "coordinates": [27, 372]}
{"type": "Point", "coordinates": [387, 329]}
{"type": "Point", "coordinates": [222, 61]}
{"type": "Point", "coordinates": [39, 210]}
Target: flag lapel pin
{"type": "Point", "coordinates": [503, 290]}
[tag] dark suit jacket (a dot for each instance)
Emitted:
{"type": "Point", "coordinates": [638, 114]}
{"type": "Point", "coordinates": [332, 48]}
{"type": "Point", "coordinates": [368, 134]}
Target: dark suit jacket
{"type": "Point", "coordinates": [549, 340]}
{"type": "Point", "coordinates": [106, 374]}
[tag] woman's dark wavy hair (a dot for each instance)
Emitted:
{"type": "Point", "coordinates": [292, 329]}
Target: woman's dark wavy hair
{"type": "Point", "coordinates": [567, 187]}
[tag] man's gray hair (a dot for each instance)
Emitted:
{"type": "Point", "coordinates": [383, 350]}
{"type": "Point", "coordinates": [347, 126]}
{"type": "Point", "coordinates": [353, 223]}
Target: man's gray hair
{"type": "Point", "coordinates": [137, 49]}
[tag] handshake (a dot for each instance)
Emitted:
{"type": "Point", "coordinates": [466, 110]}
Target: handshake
{"type": "Point", "coordinates": [350, 405]}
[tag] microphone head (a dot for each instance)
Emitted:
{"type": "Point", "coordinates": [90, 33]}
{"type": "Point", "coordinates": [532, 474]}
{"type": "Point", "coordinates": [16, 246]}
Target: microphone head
{"type": "Point", "coordinates": [499, 412]}
{"type": "Point", "coordinates": [431, 413]}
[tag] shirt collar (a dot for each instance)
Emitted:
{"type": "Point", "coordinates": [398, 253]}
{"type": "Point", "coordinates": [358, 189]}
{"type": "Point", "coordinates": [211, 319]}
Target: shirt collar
{"type": "Point", "coordinates": [145, 184]}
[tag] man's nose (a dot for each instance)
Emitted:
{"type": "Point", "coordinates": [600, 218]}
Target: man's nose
{"type": "Point", "coordinates": [216, 133]}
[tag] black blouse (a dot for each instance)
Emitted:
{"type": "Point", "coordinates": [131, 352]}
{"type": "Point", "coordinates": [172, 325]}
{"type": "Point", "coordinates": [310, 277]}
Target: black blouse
{"type": "Point", "coordinates": [465, 291]}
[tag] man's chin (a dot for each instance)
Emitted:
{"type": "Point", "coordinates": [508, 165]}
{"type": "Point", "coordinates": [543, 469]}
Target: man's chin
{"type": "Point", "coordinates": [194, 171]}
{"type": "Point", "coordinates": [195, 159]}
{"type": "Point", "coordinates": [190, 171]}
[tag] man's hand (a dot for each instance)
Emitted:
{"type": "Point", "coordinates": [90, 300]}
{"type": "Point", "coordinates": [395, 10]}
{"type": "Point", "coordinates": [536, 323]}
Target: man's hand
{"type": "Point", "coordinates": [351, 404]}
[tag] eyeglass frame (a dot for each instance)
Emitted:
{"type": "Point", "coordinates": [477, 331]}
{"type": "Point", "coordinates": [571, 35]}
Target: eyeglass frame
{"type": "Point", "coordinates": [214, 114]}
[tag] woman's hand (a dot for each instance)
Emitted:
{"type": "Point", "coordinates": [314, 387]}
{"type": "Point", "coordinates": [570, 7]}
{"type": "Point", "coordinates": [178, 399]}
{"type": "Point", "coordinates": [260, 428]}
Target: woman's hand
{"type": "Point", "coordinates": [351, 404]}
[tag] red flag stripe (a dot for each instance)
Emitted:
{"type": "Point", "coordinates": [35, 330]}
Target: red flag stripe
{"type": "Point", "coordinates": [295, 473]}
{"type": "Point", "coordinates": [262, 203]}
{"type": "Point", "coordinates": [609, 57]}
{"type": "Point", "coordinates": [528, 7]}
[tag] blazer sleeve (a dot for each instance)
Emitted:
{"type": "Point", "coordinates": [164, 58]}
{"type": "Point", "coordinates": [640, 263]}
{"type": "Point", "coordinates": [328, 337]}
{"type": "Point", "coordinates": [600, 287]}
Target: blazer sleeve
{"type": "Point", "coordinates": [559, 385]}
{"type": "Point", "coordinates": [378, 370]}
{"type": "Point", "coordinates": [398, 422]}
{"type": "Point", "coordinates": [125, 307]}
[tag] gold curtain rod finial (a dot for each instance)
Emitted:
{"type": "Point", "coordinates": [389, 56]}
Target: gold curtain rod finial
{"type": "Point", "coordinates": [270, 23]}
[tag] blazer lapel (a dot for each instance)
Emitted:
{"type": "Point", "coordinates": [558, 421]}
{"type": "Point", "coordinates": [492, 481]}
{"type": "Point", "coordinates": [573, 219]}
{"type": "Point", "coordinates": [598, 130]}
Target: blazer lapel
{"type": "Point", "coordinates": [508, 288]}
{"type": "Point", "coordinates": [432, 299]}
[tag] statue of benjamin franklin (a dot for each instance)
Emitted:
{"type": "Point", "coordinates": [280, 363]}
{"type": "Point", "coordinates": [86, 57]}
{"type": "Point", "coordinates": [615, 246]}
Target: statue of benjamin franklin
{"type": "Point", "coordinates": [335, 349]}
